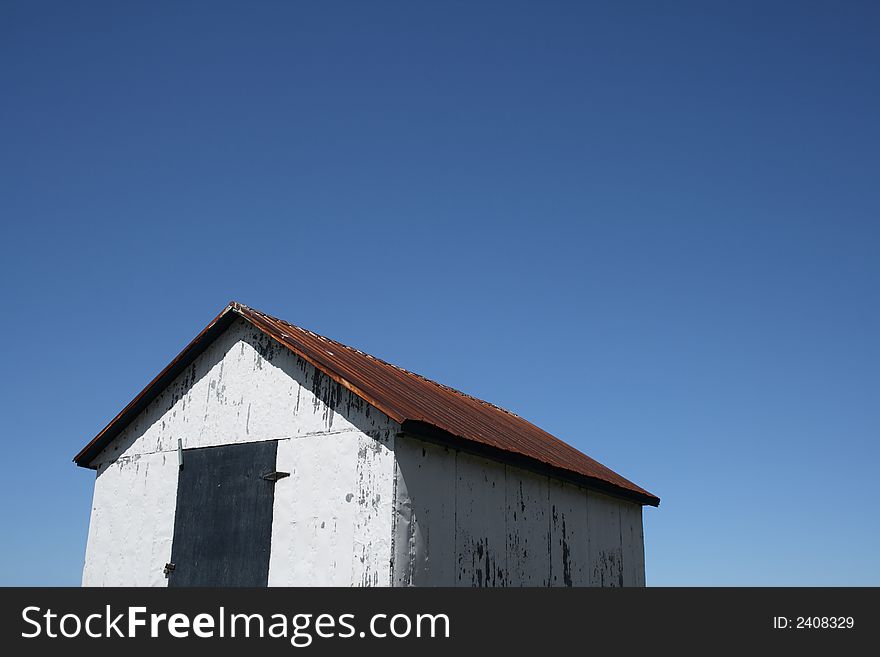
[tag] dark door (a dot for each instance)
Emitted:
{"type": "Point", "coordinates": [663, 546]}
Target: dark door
{"type": "Point", "coordinates": [223, 522]}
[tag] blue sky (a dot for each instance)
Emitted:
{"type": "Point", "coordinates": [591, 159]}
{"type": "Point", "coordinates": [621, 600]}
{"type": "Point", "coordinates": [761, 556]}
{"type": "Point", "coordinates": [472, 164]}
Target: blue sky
{"type": "Point", "coordinates": [650, 228]}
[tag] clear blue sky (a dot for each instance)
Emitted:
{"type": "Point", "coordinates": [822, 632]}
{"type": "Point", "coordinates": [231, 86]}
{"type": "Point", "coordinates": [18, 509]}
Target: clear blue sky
{"type": "Point", "coordinates": [651, 228]}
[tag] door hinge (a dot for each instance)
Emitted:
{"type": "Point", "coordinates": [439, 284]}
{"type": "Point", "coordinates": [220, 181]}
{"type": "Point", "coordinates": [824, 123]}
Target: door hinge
{"type": "Point", "coordinates": [275, 476]}
{"type": "Point", "coordinates": [169, 568]}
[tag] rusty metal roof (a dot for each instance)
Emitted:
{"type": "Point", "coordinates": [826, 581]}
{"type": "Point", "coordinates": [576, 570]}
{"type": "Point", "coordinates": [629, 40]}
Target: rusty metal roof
{"type": "Point", "coordinates": [424, 408]}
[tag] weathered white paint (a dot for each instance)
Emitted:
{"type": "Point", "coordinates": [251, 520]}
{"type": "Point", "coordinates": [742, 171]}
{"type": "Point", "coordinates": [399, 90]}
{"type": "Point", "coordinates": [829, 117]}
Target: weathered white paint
{"type": "Point", "coordinates": [363, 506]}
{"type": "Point", "coordinates": [569, 534]}
{"type": "Point", "coordinates": [480, 521]}
{"type": "Point", "coordinates": [424, 536]}
{"type": "Point", "coordinates": [246, 387]}
{"type": "Point", "coordinates": [603, 529]}
{"type": "Point", "coordinates": [462, 520]}
{"type": "Point", "coordinates": [632, 545]}
{"type": "Point", "coordinates": [528, 528]}
{"type": "Point", "coordinates": [132, 521]}
{"type": "Point", "coordinates": [332, 516]}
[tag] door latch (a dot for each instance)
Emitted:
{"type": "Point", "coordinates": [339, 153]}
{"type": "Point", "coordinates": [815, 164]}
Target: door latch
{"type": "Point", "coordinates": [275, 476]}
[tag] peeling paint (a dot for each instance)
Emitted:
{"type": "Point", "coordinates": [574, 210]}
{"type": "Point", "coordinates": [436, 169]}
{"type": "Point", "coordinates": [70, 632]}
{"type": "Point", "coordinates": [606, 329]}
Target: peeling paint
{"type": "Point", "coordinates": [260, 398]}
{"type": "Point", "coordinates": [243, 388]}
{"type": "Point", "coordinates": [461, 520]}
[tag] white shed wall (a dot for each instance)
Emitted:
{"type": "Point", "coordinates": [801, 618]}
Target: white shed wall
{"type": "Point", "coordinates": [332, 521]}
{"type": "Point", "coordinates": [332, 516]}
{"type": "Point", "coordinates": [132, 522]}
{"type": "Point", "coordinates": [462, 520]}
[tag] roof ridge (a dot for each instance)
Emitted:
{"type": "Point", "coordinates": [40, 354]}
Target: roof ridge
{"type": "Point", "coordinates": [380, 360]}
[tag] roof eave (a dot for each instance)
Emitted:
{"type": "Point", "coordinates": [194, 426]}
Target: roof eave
{"type": "Point", "coordinates": [87, 454]}
{"type": "Point", "coordinates": [432, 434]}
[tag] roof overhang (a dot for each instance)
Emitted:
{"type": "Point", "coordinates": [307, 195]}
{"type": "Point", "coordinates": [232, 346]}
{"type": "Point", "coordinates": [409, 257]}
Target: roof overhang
{"type": "Point", "coordinates": [417, 428]}
{"type": "Point", "coordinates": [429, 433]}
{"type": "Point", "coordinates": [193, 350]}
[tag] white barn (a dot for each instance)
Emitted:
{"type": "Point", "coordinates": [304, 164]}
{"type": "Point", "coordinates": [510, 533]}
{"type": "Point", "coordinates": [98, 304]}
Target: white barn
{"type": "Point", "coordinates": [265, 454]}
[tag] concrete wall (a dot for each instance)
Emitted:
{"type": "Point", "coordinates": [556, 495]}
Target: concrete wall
{"type": "Point", "coordinates": [332, 516]}
{"type": "Point", "coordinates": [462, 520]}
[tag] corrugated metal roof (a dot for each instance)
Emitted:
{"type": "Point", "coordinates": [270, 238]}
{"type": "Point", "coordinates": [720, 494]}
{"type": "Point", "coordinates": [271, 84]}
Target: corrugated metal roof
{"type": "Point", "coordinates": [423, 407]}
